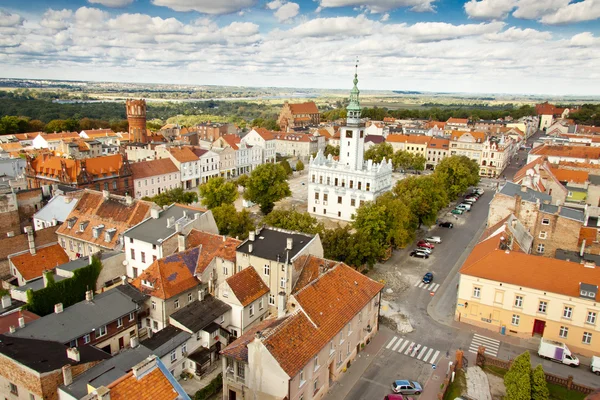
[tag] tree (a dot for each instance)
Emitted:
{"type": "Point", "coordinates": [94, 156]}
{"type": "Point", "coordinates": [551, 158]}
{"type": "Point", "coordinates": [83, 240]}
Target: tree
{"type": "Point", "coordinates": [418, 162]}
{"type": "Point", "coordinates": [231, 222]}
{"type": "Point", "coordinates": [539, 387]}
{"type": "Point", "coordinates": [242, 180]}
{"type": "Point", "coordinates": [517, 380]}
{"type": "Point", "coordinates": [333, 150]}
{"type": "Point", "coordinates": [299, 166]}
{"type": "Point", "coordinates": [294, 221]}
{"type": "Point", "coordinates": [286, 166]}
{"type": "Point", "coordinates": [457, 173]}
{"type": "Point", "coordinates": [356, 250]}
{"type": "Point", "coordinates": [177, 195]}
{"type": "Point", "coordinates": [335, 242]}
{"type": "Point", "coordinates": [379, 151]}
{"type": "Point", "coordinates": [424, 195]}
{"type": "Point", "coordinates": [402, 160]}
{"type": "Point", "coordinates": [268, 123]}
{"type": "Point", "coordinates": [217, 191]}
{"type": "Point", "coordinates": [267, 184]}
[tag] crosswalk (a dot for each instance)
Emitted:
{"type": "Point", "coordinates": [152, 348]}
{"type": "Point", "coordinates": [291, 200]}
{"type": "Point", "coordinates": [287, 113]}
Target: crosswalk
{"type": "Point", "coordinates": [491, 345]}
{"type": "Point", "coordinates": [432, 287]}
{"type": "Point", "coordinates": [414, 350]}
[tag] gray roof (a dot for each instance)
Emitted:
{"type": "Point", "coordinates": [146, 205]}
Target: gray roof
{"type": "Point", "coordinates": [38, 283]}
{"type": "Point", "coordinates": [566, 212]}
{"type": "Point", "coordinates": [271, 243]}
{"type": "Point", "coordinates": [569, 255]}
{"type": "Point", "coordinates": [57, 207]}
{"type": "Point", "coordinates": [79, 319]}
{"type": "Point", "coordinates": [512, 189]}
{"type": "Point", "coordinates": [576, 189]}
{"type": "Point", "coordinates": [133, 292]}
{"type": "Point", "coordinates": [107, 371]}
{"type": "Point", "coordinates": [199, 314]}
{"type": "Point", "coordinates": [155, 231]}
{"type": "Point", "coordinates": [166, 340]}
{"type": "Point", "coordinates": [594, 179]}
{"type": "Point", "coordinates": [75, 264]}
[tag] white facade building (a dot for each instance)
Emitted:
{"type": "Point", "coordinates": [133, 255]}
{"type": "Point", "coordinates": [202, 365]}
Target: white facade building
{"type": "Point", "coordinates": [337, 188]}
{"type": "Point", "coordinates": [264, 139]}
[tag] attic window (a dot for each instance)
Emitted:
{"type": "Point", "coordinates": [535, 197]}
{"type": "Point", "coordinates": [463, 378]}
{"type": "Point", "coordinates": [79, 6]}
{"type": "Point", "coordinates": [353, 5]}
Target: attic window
{"type": "Point", "coordinates": [147, 283]}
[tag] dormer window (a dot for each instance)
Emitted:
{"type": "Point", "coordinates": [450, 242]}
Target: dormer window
{"type": "Point", "coordinates": [147, 283]}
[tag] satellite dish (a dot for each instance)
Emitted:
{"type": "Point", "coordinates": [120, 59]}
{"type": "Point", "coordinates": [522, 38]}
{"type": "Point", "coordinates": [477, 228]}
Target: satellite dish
{"type": "Point", "coordinates": [125, 262]}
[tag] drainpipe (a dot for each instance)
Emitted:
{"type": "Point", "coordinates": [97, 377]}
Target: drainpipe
{"type": "Point", "coordinates": [379, 310]}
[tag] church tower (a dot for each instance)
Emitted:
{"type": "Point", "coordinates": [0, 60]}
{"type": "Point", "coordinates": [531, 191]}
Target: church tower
{"type": "Point", "coordinates": [352, 136]}
{"type": "Point", "coordinates": [136, 116]}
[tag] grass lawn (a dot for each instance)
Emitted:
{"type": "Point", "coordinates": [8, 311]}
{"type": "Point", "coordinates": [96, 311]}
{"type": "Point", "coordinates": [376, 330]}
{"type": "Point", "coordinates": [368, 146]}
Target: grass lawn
{"type": "Point", "coordinates": [458, 387]}
{"type": "Point", "coordinates": [495, 370]}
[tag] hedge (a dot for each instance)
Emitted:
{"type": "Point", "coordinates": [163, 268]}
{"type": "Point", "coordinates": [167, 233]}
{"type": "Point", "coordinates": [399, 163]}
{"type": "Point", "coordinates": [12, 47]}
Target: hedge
{"type": "Point", "coordinates": [67, 292]}
{"type": "Point", "coordinates": [212, 388]}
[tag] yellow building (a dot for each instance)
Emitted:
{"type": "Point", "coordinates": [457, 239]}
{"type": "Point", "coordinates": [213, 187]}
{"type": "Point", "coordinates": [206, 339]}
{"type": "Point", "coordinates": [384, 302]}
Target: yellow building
{"type": "Point", "coordinates": [414, 144]}
{"type": "Point", "coordinates": [507, 290]}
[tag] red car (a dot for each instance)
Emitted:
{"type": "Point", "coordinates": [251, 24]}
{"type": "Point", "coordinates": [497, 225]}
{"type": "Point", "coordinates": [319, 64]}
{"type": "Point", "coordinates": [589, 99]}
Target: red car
{"type": "Point", "coordinates": [396, 396]}
{"type": "Point", "coordinates": [422, 243]}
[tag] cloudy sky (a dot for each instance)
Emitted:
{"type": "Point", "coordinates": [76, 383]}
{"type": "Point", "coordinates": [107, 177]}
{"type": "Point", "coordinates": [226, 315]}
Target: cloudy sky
{"type": "Point", "coordinates": [503, 46]}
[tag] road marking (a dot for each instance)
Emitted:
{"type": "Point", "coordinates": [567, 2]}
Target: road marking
{"type": "Point", "coordinates": [432, 361]}
{"type": "Point", "coordinates": [428, 354]}
{"type": "Point", "coordinates": [417, 283]}
{"type": "Point", "coordinates": [412, 346]}
{"type": "Point", "coordinates": [415, 351]}
{"type": "Point", "coordinates": [437, 286]}
{"type": "Point", "coordinates": [491, 345]}
{"type": "Point", "coordinates": [421, 352]}
{"type": "Point", "coordinates": [403, 346]}
{"type": "Point", "coordinates": [421, 285]}
{"type": "Point", "coordinates": [374, 382]}
{"type": "Point", "coordinates": [391, 342]}
{"type": "Point", "coordinates": [397, 344]}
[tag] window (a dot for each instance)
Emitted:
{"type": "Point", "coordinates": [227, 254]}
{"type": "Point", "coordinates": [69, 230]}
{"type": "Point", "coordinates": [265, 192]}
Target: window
{"type": "Point", "coordinates": [591, 317]}
{"type": "Point", "coordinates": [114, 185]}
{"type": "Point", "coordinates": [359, 185]}
{"type": "Point", "coordinates": [282, 283]}
{"type": "Point", "coordinates": [132, 254]}
{"type": "Point", "coordinates": [105, 185]}
{"type": "Point", "coordinates": [316, 196]}
{"type": "Point", "coordinates": [183, 349]}
{"type": "Point", "coordinates": [353, 202]}
{"type": "Point", "coordinates": [302, 380]}
{"type": "Point", "coordinates": [313, 178]}
{"type": "Point", "coordinates": [176, 303]}
{"type": "Point", "coordinates": [335, 182]}
{"type": "Point", "coordinates": [267, 270]}
{"type": "Point", "coordinates": [587, 338]}
{"type": "Point", "coordinates": [222, 318]}
{"type": "Point", "coordinates": [153, 305]}
{"type": "Point", "coordinates": [328, 180]}
{"type": "Point", "coordinates": [261, 304]}
{"type": "Point", "coordinates": [515, 319]}
{"type": "Point", "coordinates": [131, 317]}
{"type": "Point", "coordinates": [545, 221]}
{"type": "Point", "coordinates": [316, 363]}
{"type": "Point", "coordinates": [214, 334]}
{"type": "Point", "coordinates": [316, 385]}
{"type": "Point", "coordinates": [251, 310]}
{"type": "Point", "coordinates": [86, 339]}
{"type": "Point", "coordinates": [564, 332]}
{"type": "Point", "coordinates": [351, 184]}
{"type": "Point", "coordinates": [225, 271]}
{"type": "Point", "coordinates": [155, 325]}
{"type": "Point", "coordinates": [542, 307]}
{"type": "Point", "coordinates": [543, 235]}
{"type": "Point", "coordinates": [476, 292]}
{"type": "Point", "coordinates": [13, 389]}
{"type": "Point", "coordinates": [271, 299]}
{"type": "Point", "coordinates": [174, 355]}
{"type": "Point", "coordinates": [101, 331]}
{"type": "Point", "coordinates": [325, 196]}
{"type": "Point", "coordinates": [190, 297]}
{"type": "Point", "coordinates": [540, 248]}
{"type": "Point", "coordinates": [339, 199]}
{"type": "Point", "coordinates": [143, 255]}
{"type": "Point", "coordinates": [568, 312]}
{"type": "Point", "coordinates": [331, 349]}
{"type": "Point", "coordinates": [518, 301]}
{"type": "Point", "coordinates": [119, 322]}
{"type": "Point", "coordinates": [135, 272]}
{"type": "Point", "coordinates": [240, 370]}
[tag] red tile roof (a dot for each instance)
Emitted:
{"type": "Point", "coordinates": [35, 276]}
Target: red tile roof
{"type": "Point", "coordinates": [457, 121]}
{"type": "Point", "coordinates": [413, 139]}
{"type": "Point", "coordinates": [183, 154]}
{"type": "Point", "coordinates": [569, 175]}
{"type": "Point", "coordinates": [95, 133]}
{"type": "Point", "coordinates": [145, 169]}
{"type": "Point", "coordinates": [247, 286]}
{"type": "Point", "coordinates": [438, 143]}
{"type": "Point", "coordinates": [153, 385]}
{"type": "Point", "coordinates": [438, 124]}
{"type": "Point", "coordinates": [523, 171]}
{"type": "Point", "coordinates": [304, 108]}
{"type": "Point", "coordinates": [455, 135]}
{"type": "Point", "coordinates": [15, 244]}
{"type": "Point", "coordinates": [310, 267]}
{"type": "Point", "coordinates": [31, 266]}
{"type": "Point", "coordinates": [568, 151]}
{"type": "Point", "coordinates": [211, 246]}
{"type": "Point", "coordinates": [232, 140]}
{"type": "Point", "coordinates": [52, 166]}
{"type": "Point", "coordinates": [265, 134]}
{"type": "Point", "coordinates": [548, 109]}
{"type": "Point", "coordinates": [12, 319]}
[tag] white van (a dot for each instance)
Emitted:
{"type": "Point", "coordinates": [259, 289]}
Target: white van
{"type": "Point", "coordinates": [595, 365]}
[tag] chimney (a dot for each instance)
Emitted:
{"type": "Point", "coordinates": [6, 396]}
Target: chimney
{"type": "Point", "coordinates": [582, 250]}
{"type": "Point", "coordinates": [170, 222]}
{"type": "Point", "coordinates": [523, 188]}
{"type": "Point", "coordinates": [290, 243]}
{"type": "Point", "coordinates": [67, 375]}
{"type": "Point", "coordinates": [6, 301]}
{"type": "Point", "coordinates": [133, 342]}
{"type": "Point", "coordinates": [89, 295]}
{"type": "Point", "coordinates": [90, 258]}
{"type": "Point", "coordinates": [73, 354]}
{"type": "Point", "coordinates": [181, 242]}
{"type": "Point", "coordinates": [281, 305]}
{"type": "Point", "coordinates": [128, 200]}
{"type": "Point", "coordinates": [102, 393]}
{"type": "Point", "coordinates": [21, 322]}
{"type": "Point", "coordinates": [45, 277]}
{"type": "Point", "coordinates": [58, 308]}
{"type": "Point", "coordinates": [105, 194]}
{"type": "Point", "coordinates": [252, 236]}
{"type": "Point", "coordinates": [54, 222]}
{"type": "Point", "coordinates": [154, 213]}
{"type": "Point", "coordinates": [145, 366]}
{"type": "Point", "coordinates": [250, 248]}
{"type": "Point", "coordinates": [12, 329]}
{"type": "Point", "coordinates": [177, 227]}
{"type": "Point", "coordinates": [197, 216]}
{"type": "Point", "coordinates": [258, 335]}
{"type": "Point", "coordinates": [30, 240]}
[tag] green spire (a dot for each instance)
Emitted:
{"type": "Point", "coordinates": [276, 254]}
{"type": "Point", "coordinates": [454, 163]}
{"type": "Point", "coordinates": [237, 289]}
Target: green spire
{"type": "Point", "coordinates": [354, 102]}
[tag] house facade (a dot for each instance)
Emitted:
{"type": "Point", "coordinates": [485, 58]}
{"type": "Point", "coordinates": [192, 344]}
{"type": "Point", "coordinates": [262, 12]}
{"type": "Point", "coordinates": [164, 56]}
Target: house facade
{"type": "Point", "coordinates": [298, 115]}
{"type": "Point", "coordinates": [154, 177]}
{"type": "Point", "coordinates": [260, 137]}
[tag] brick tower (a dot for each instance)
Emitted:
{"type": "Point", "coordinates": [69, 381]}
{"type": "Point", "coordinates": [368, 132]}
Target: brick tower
{"type": "Point", "coordinates": [136, 116]}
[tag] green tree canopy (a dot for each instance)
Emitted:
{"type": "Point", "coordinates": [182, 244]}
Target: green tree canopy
{"type": "Point", "coordinates": [355, 249]}
{"type": "Point", "coordinates": [424, 195]}
{"type": "Point", "coordinates": [177, 195]}
{"type": "Point", "coordinates": [402, 160]}
{"type": "Point", "coordinates": [267, 123]}
{"type": "Point", "coordinates": [299, 166]}
{"type": "Point", "coordinates": [267, 184]}
{"type": "Point", "coordinates": [336, 242]}
{"type": "Point", "coordinates": [231, 222]}
{"type": "Point", "coordinates": [539, 386]}
{"type": "Point", "coordinates": [418, 162]}
{"type": "Point", "coordinates": [242, 180]}
{"type": "Point", "coordinates": [379, 151]}
{"type": "Point", "coordinates": [294, 221]}
{"type": "Point", "coordinates": [217, 191]}
{"type": "Point", "coordinates": [286, 166]}
{"type": "Point", "coordinates": [457, 173]}
{"type": "Point", "coordinates": [333, 150]}
{"type": "Point", "coordinates": [517, 380]}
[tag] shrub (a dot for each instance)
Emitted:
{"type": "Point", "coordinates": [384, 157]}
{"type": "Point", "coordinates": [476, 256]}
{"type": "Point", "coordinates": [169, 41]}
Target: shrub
{"type": "Point", "coordinates": [213, 387]}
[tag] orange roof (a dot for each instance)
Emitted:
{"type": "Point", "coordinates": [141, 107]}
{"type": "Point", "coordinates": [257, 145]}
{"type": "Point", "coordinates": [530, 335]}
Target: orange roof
{"type": "Point", "coordinates": [589, 234]}
{"type": "Point", "coordinates": [457, 121]}
{"type": "Point", "coordinates": [15, 244]}
{"type": "Point", "coordinates": [183, 154]}
{"type": "Point", "coordinates": [60, 136]}
{"type": "Point", "coordinates": [170, 276]}
{"type": "Point", "coordinates": [523, 171]}
{"type": "Point", "coordinates": [31, 266]}
{"type": "Point", "coordinates": [432, 124]}
{"type": "Point", "coordinates": [438, 143]}
{"type": "Point", "coordinates": [569, 175]}
{"type": "Point", "coordinates": [145, 169]}
{"type": "Point", "coordinates": [52, 166]}
{"type": "Point", "coordinates": [11, 146]}
{"type": "Point", "coordinates": [27, 136]}
{"type": "Point", "coordinates": [488, 261]}
{"type": "Point", "coordinates": [265, 134]}
{"type": "Point", "coordinates": [153, 385]}
{"type": "Point", "coordinates": [310, 268]}
{"type": "Point", "coordinates": [232, 140]}
{"type": "Point", "coordinates": [304, 108]}
{"type": "Point", "coordinates": [212, 246]}
{"type": "Point", "coordinates": [548, 109]}
{"type": "Point", "coordinates": [455, 135]}
{"type": "Point", "coordinates": [412, 139]}
{"type": "Point", "coordinates": [568, 151]}
{"type": "Point", "coordinates": [94, 133]}
{"type": "Point", "coordinates": [113, 213]}
{"type": "Point", "coordinates": [588, 129]}
{"type": "Point", "coordinates": [389, 119]}
{"type": "Point", "coordinates": [247, 286]}
{"type": "Point", "coordinates": [324, 132]}
{"type": "Point", "coordinates": [295, 137]}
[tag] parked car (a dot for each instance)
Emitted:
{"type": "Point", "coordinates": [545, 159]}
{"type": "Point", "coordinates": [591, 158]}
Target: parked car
{"type": "Point", "coordinates": [473, 196]}
{"type": "Point", "coordinates": [406, 387]}
{"type": "Point", "coordinates": [428, 277]}
{"type": "Point", "coordinates": [422, 243]}
{"type": "Point", "coordinates": [465, 206]}
{"type": "Point", "coordinates": [469, 200]}
{"type": "Point", "coordinates": [419, 253]}
{"type": "Point", "coordinates": [425, 249]}
{"type": "Point", "coordinates": [479, 191]}
{"type": "Point", "coordinates": [433, 239]}
{"type": "Point", "coordinates": [446, 224]}
{"type": "Point", "coordinates": [457, 211]}
{"type": "Point", "coordinates": [396, 396]}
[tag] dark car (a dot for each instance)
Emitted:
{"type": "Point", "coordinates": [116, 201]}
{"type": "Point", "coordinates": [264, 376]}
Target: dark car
{"type": "Point", "coordinates": [446, 225]}
{"type": "Point", "coordinates": [423, 243]}
{"type": "Point", "coordinates": [428, 277]}
{"type": "Point", "coordinates": [419, 253]}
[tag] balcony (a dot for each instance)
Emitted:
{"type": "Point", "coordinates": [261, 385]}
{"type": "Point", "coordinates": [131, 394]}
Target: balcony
{"type": "Point", "coordinates": [235, 378]}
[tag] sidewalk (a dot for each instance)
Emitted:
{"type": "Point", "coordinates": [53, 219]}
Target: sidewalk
{"type": "Point", "coordinates": [432, 387]}
{"type": "Point", "coordinates": [340, 389]}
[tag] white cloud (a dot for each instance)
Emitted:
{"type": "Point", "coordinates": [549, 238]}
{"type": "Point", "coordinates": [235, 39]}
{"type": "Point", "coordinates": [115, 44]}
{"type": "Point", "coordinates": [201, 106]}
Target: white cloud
{"type": "Point", "coordinates": [287, 12]}
{"type": "Point", "coordinates": [90, 17]}
{"type": "Point", "coordinates": [385, 17]}
{"type": "Point", "coordinates": [436, 31]}
{"type": "Point", "coordinates": [381, 6]}
{"type": "Point", "coordinates": [534, 9]}
{"type": "Point", "coordinates": [112, 3]}
{"type": "Point", "coordinates": [584, 39]}
{"type": "Point", "coordinates": [206, 6]}
{"type": "Point", "coordinates": [318, 9]}
{"type": "Point", "coordinates": [513, 34]}
{"type": "Point", "coordinates": [349, 26]}
{"type": "Point", "coordinates": [7, 19]}
{"type": "Point", "coordinates": [586, 10]}
{"type": "Point", "coordinates": [489, 9]}
{"type": "Point", "coordinates": [274, 5]}
{"type": "Point", "coordinates": [56, 20]}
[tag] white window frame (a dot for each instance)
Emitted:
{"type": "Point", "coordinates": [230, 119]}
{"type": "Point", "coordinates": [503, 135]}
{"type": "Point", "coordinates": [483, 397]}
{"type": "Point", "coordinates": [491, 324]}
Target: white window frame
{"type": "Point", "coordinates": [153, 305]}
{"type": "Point", "coordinates": [545, 221]}
{"type": "Point", "coordinates": [591, 318]}
{"type": "Point", "coordinates": [271, 299]}
{"type": "Point", "coordinates": [563, 332]}
{"type": "Point", "coordinates": [587, 338]}
{"type": "Point", "coordinates": [99, 331]}
{"type": "Point", "coordinates": [541, 248]}
{"type": "Point", "coordinates": [87, 338]}
{"type": "Point", "coordinates": [477, 292]}
{"type": "Point", "coordinates": [173, 355]}
{"type": "Point", "coordinates": [131, 317]}
{"type": "Point", "coordinates": [176, 303]}
{"type": "Point", "coordinates": [543, 235]}
{"type": "Point", "coordinates": [567, 312]}
{"type": "Point", "coordinates": [282, 283]}
{"type": "Point", "coordinates": [516, 319]}
{"type": "Point", "coordinates": [542, 304]}
{"type": "Point", "coordinates": [267, 270]}
{"type": "Point", "coordinates": [119, 322]}
{"type": "Point", "coordinates": [251, 310]}
{"type": "Point", "coordinates": [519, 301]}
{"type": "Point", "coordinates": [302, 380]}
{"type": "Point", "coordinates": [261, 304]}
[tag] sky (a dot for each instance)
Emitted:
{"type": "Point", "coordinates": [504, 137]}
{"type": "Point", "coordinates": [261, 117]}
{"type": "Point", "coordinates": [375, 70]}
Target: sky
{"type": "Point", "coordinates": [532, 47]}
